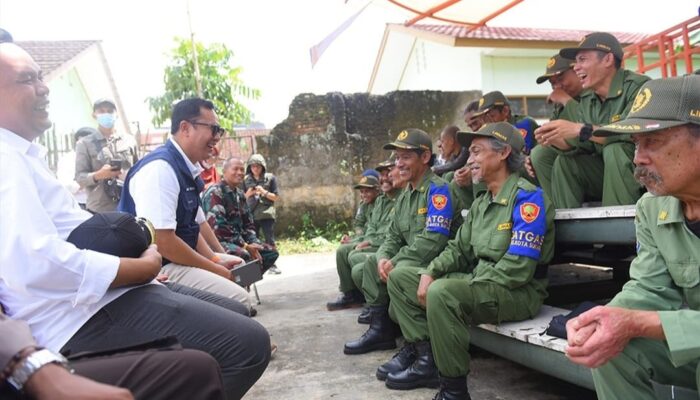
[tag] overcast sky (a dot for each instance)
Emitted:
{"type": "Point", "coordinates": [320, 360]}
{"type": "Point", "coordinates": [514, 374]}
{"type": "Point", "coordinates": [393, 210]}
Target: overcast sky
{"type": "Point", "coordinates": [271, 38]}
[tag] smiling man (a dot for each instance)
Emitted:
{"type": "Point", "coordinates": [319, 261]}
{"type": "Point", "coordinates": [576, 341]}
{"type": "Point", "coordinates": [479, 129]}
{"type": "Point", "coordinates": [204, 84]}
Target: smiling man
{"type": "Point", "coordinates": [595, 168]}
{"type": "Point", "coordinates": [644, 344]}
{"type": "Point", "coordinates": [425, 216]}
{"type": "Point", "coordinates": [164, 188]}
{"type": "Point", "coordinates": [493, 270]}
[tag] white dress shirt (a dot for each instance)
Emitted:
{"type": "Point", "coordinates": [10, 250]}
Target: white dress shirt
{"type": "Point", "coordinates": [155, 191]}
{"type": "Point", "coordinates": [45, 280]}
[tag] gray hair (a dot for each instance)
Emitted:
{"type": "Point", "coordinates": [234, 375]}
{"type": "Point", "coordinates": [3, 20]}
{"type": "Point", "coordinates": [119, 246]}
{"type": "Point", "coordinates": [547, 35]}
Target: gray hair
{"type": "Point", "coordinates": [515, 160]}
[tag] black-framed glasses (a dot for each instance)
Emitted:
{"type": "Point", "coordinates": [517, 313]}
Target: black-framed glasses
{"type": "Point", "coordinates": [215, 129]}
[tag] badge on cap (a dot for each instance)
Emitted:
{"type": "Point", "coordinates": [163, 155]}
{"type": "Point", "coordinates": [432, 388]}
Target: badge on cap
{"type": "Point", "coordinates": [529, 212]}
{"type": "Point", "coordinates": [363, 180]}
{"type": "Point", "coordinates": [403, 135]}
{"type": "Point", "coordinates": [481, 102]}
{"type": "Point", "coordinates": [641, 100]}
{"type": "Point", "coordinates": [551, 62]}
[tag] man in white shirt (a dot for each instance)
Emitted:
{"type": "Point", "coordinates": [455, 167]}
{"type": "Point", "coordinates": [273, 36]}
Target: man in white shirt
{"type": "Point", "coordinates": [81, 300]}
{"type": "Point", "coordinates": [164, 188]}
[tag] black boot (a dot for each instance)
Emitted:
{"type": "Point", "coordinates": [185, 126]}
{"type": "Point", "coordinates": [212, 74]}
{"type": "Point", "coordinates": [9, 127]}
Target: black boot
{"type": "Point", "coordinates": [379, 336]}
{"type": "Point", "coordinates": [401, 360]}
{"type": "Point", "coordinates": [422, 373]}
{"type": "Point", "coordinates": [345, 300]}
{"type": "Point", "coordinates": [363, 318]}
{"type": "Point", "coordinates": [453, 389]}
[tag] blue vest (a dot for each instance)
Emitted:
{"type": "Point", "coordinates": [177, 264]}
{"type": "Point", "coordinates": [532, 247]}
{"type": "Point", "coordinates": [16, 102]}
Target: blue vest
{"type": "Point", "coordinates": [188, 200]}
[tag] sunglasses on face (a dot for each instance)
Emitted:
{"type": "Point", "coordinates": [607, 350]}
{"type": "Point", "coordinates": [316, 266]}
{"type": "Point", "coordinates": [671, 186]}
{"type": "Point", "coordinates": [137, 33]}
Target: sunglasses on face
{"type": "Point", "coordinates": [216, 130]}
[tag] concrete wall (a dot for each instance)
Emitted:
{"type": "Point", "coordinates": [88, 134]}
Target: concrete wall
{"type": "Point", "coordinates": [328, 140]}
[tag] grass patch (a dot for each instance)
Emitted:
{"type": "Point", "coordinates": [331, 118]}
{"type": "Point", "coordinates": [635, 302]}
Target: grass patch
{"type": "Point", "coordinates": [290, 246]}
{"type": "Point", "coordinates": [309, 238]}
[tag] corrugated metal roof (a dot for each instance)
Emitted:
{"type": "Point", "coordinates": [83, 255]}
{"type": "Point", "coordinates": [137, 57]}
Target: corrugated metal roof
{"type": "Point", "coordinates": [50, 55]}
{"type": "Point", "coordinates": [525, 34]}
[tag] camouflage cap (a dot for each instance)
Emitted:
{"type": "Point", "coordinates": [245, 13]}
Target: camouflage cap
{"type": "Point", "coordinates": [660, 104]}
{"type": "Point", "coordinates": [489, 100]}
{"type": "Point", "coordinates": [555, 66]}
{"type": "Point", "coordinates": [502, 131]}
{"type": "Point", "coordinates": [601, 41]}
{"type": "Point", "coordinates": [411, 139]}
{"type": "Point", "coordinates": [367, 181]}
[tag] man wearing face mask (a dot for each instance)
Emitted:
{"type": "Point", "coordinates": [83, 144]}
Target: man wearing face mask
{"type": "Point", "coordinates": [101, 158]}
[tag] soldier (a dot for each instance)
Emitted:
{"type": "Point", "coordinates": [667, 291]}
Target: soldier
{"type": "Point", "coordinates": [364, 209]}
{"type": "Point", "coordinates": [599, 168]}
{"type": "Point", "coordinates": [453, 153]}
{"type": "Point", "coordinates": [494, 107]}
{"type": "Point", "coordinates": [421, 225]}
{"type": "Point", "coordinates": [566, 92]}
{"type": "Point", "coordinates": [101, 158]}
{"type": "Point", "coordinates": [645, 341]}
{"type": "Point", "coordinates": [350, 295]}
{"type": "Point", "coordinates": [494, 270]}
{"type": "Point", "coordinates": [229, 216]}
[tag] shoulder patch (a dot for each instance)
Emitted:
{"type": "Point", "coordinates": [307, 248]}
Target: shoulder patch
{"type": "Point", "coordinates": [529, 224]}
{"type": "Point", "coordinates": [439, 211]}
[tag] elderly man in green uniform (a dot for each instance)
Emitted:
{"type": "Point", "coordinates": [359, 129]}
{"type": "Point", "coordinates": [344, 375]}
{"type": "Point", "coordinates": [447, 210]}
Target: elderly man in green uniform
{"type": "Point", "coordinates": [598, 168]}
{"type": "Point", "coordinates": [359, 223]}
{"type": "Point", "coordinates": [566, 94]}
{"type": "Point", "coordinates": [228, 214]}
{"type": "Point", "coordinates": [494, 270]}
{"type": "Point", "coordinates": [350, 256]}
{"type": "Point", "coordinates": [422, 223]}
{"type": "Point", "coordinates": [645, 343]}
{"type": "Point", "coordinates": [495, 107]}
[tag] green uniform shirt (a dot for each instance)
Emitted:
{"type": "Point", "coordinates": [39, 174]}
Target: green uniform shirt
{"type": "Point", "coordinates": [379, 219]}
{"type": "Point", "coordinates": [665, 275]}
{"type": "Point", "coordinates": [361, 217]}
{"type": "Point", "coordinates": [425, 218]}
{"type": "Point", "coordinates": [502, 240]}
{"type": "Point", "coordinates": [570, 111]}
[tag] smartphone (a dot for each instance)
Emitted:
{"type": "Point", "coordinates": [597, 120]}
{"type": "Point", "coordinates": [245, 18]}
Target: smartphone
{"type": "Point", "coordinates": [116, 165]}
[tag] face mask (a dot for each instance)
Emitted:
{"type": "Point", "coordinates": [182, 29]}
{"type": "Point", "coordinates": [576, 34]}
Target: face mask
{"type": "Point", "coordinates": [106, 120]}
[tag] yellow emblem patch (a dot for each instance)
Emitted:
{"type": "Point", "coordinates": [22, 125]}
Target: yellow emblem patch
{"type": "Point", "coordinates": [551, 62]}
{"type": "Point", "coordinates": [641, 100]}
{"type": "Point", "coordinates": [363, 180]}
{"type": "Point", "coordinates": [481, 102]}
{"type": "Point", "coordinates": [403, 135]}
{"type": "Point", "coordinates": [504, 226]}
{"type": "Point", "coordinates": [663, 215]}
{"type": "Point", "coordinates": [615, 118]}
{"type": "Point", "coordinates": [695, 113]}
{"type": "Point", "coordinates": [422, 211]}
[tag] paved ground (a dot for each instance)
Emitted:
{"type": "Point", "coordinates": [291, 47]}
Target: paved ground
{"type": "Point", "coordinates": [310, 363]}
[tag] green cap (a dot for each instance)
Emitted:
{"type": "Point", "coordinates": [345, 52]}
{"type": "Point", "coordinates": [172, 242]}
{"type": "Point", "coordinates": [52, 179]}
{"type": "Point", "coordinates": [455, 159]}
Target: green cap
{"type": "Point", "coordinates": [601, 41]}
{"type": "Point", "coordinates": [368, 181]}
{"type": "Point", "coordinates": [489, 100]}
{"type": "Point", "coordinates": [386, 164]}
{"type": "Point", "coordinates": [555, 66]}
{"type": "Point", "coordinates": [411, 139]}
{"type": "Point", "coordinates": [502, 131]}
{"type": "Point", "coordinates": [660, 104]}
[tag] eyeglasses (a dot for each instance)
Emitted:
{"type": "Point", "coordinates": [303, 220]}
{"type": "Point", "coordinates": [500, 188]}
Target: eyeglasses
{"type": "Point", "coordinates": [216, 130]}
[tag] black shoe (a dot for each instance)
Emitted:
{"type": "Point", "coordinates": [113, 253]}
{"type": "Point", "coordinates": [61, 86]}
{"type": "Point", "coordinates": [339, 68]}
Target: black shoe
{"type": "Point", "coordinates": [401, 360]}
{"type": "Point", "coordinates": [253, 312]}
{"type": "Point", "coordinates": [363, 318]}
{"type": "Point", "coordinates": [453, 389]}
{"type": "Point", "coordinates": [351, 299]}
{"type": "Point", "coordinates": [422, 373]}
{"type": "Point", "coordinates": [379, 336]}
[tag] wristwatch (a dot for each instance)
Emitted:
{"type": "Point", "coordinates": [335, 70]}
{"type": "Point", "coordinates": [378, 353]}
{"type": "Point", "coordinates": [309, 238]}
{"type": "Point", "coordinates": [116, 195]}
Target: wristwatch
{"type": "Point", "coordinates": [585, 133]}
{"type": "Point", "coordinates": [31, 364]}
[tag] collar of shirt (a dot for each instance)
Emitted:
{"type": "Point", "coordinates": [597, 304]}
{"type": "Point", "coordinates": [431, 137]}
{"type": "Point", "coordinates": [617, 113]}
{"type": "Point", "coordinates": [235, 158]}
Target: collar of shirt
{"type": "Point", "coordinates": [504, 196]}
{"type": "Point", "coordinates": [615, 89]}
{"type": "Point", "coordinates": [195, 169]}
{"type": "Point", "coordinates": [21, 144]}
{"type": "Point", "coordinates": [671, 211]}
{"type": "Point", "coordinates": [423, 183]}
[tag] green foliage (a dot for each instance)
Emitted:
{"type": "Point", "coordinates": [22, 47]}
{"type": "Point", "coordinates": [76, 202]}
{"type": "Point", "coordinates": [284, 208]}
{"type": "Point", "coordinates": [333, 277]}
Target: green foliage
{"type": "Point", "coordinates": [220, 83]}
{"type": "Point", "coordinates": [309, 238]}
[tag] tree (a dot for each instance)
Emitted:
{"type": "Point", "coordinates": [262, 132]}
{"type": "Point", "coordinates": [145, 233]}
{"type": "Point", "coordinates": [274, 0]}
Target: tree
{"type": "Point", "coordinates": [220, 83]}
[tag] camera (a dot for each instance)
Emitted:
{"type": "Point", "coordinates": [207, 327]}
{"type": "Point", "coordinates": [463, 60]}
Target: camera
{"type": "Point", "coordinates": [116, 165]}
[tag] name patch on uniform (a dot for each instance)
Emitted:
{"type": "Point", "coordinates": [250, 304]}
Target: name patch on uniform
{"type": "Point", "coordinates": [422, 211]}
{"type": "Point", "coordinates": [529, 224]}
{"type": "Point", "coordinates": [439, 211]}
{"type": "Point", "coordinates": [504, 226]}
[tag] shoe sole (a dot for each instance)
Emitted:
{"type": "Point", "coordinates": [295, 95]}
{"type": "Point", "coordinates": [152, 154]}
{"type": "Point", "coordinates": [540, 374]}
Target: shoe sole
{"type": "Point", "coordinates": [432, 384]}
{"type": "Point", "coordinates": [375, 347]}
{"type": "Point", "coordinates": [336, 308]}
{"type": "Point", "coordinates": [363, 321]}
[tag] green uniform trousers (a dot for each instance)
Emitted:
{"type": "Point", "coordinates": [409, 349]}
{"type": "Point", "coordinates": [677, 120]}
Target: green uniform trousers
{"type": "Point", "coordinates": [629, 375]}
{"type": "Point", "coordinates": [577, 177]}
{"type": "Point", "coordinates": [373, 288]}
{"type": "Point", "coordinates": [345, 261]}
{"type": "Point", "coordinates": [357, 259]}
{"type": "Point", "coordinates": [454, 302]}
{"type": "Point", "coordinates": [543, 158]}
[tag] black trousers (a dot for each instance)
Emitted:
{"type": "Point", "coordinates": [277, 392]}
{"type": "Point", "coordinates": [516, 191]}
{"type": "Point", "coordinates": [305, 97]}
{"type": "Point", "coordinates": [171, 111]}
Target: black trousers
{"type": "Point", "coordinates": [239, 344]}
{"type": "Point", "coordinates": [209, 297]}
{"type": "Point", "coordinates": [268, 228]}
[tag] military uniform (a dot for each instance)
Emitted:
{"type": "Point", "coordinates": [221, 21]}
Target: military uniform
{"type": "Point", "coordinates": [92, 152]}
{"type": "Point", "coordinates": [359, 224]}
{"type": "Point", "coordinates": [229, 216]}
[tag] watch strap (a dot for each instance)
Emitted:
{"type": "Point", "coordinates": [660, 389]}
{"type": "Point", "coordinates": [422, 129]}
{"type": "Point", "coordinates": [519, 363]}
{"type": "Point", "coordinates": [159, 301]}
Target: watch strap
{"type": "Point", "coordinates": [31, 364]}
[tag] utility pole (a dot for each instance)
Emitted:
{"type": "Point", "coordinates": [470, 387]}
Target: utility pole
{"type": "Point", "coordinates": [197, 75]}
